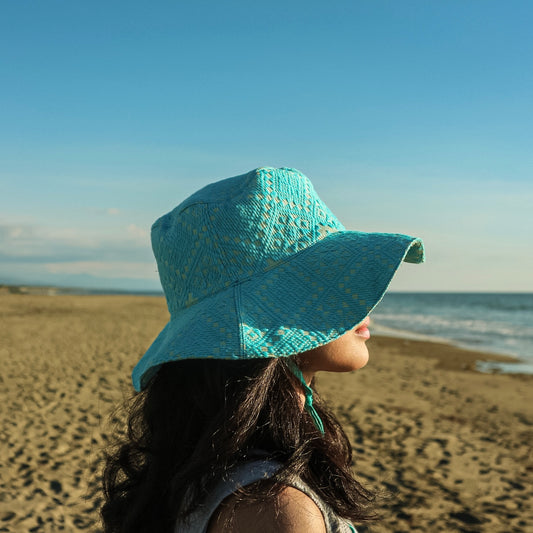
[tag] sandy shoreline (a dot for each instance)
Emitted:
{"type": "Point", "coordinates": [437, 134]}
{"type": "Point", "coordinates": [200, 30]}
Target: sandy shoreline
{"type": "Point", "coordinates": [452, 446]}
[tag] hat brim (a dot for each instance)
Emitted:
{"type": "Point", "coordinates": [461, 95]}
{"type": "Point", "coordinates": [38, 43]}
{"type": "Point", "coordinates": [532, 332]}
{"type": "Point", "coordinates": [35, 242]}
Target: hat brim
{"type": "Point", "coordinates": [299, 304]}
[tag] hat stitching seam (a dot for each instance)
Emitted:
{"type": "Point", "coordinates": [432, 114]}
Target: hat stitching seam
{"type": "Point", "coordinates": [219, 251]}
{"type": "Point", "coordinates": [196, 258]}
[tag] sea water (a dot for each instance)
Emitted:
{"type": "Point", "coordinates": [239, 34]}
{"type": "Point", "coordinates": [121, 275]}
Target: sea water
{"type": "Point", "coordinates": [496, 323]}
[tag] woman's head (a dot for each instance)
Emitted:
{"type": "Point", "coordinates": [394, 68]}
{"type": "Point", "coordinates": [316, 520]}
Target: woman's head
{"type": "Point", "coordinates": [257, 266]}
{"type": "Point", "coordinates": [262, 282]}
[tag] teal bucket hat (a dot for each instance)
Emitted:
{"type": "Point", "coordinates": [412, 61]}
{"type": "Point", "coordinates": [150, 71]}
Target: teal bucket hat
{"type": "Point", "coordinates": [258, 266]}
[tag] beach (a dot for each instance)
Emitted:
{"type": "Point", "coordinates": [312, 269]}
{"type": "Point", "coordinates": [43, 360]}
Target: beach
{"type": "Point", "coordinates": [448, 448]}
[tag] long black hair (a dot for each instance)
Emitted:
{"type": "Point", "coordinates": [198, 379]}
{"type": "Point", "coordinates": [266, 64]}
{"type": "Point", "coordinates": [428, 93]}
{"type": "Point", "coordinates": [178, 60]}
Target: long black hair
{"type": "Point", "coordinates": [199, 418]}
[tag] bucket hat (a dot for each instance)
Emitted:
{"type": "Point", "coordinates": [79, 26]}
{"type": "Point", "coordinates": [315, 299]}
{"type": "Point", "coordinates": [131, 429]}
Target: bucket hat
{"type": "Point", "coordinates": [258, 266]}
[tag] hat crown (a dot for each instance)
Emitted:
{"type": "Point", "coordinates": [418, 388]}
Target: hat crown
{"type": "Point", "coordinates": [234, 229]}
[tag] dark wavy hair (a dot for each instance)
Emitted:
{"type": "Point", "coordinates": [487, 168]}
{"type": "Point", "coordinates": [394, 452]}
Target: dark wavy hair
{"type": "Point", "coordinates": [199, 418]}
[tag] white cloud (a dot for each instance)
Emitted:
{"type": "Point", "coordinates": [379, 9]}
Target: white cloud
{"type": "Point", "coordinates": [43, 244]}
{"type": "Point", "coordinates": [137, 232]}
{"type": "Point", "coordinates": [15, 233]}
{"type": "Point", "coordinates": [113, 211]}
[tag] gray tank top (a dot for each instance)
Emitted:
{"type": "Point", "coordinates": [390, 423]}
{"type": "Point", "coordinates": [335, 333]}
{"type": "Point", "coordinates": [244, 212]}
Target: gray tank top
{"type": "Point", "coordinates": [244, 475]}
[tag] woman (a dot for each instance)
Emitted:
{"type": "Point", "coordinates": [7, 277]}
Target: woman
{"type": "Point", "coordinates": [265, 287]}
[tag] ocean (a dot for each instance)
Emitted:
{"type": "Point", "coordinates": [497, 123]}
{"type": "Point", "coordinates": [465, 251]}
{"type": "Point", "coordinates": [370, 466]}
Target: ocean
{"type": "Point", "coordinates": [496, 323]}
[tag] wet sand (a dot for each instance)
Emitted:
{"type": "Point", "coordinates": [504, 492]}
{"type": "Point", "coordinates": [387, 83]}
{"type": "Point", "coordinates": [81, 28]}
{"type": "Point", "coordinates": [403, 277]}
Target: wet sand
{"type": "Point", "coordinates": [450, 446]}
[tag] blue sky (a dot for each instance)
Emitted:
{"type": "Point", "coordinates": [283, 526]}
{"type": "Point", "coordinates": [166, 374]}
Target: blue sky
{"type": "Point", "coordinates": [408, 116]}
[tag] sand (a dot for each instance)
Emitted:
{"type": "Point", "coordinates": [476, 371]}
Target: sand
{"type": "Point", "coordinates": [450, 446]}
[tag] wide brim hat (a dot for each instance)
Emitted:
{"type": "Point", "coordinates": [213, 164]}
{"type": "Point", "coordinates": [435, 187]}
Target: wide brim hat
{"type": "Point", "coordinates": [257, 266]}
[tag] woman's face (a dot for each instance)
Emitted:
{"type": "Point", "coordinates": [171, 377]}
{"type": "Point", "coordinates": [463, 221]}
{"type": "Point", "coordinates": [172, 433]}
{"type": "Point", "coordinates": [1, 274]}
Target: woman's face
{"type": "Point", "coordinates": [344, 354]}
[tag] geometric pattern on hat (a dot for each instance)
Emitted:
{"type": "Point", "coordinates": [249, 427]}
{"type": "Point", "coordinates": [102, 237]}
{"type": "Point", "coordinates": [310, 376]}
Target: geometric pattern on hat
{"type": "Point", "coordinates": [258, 266]}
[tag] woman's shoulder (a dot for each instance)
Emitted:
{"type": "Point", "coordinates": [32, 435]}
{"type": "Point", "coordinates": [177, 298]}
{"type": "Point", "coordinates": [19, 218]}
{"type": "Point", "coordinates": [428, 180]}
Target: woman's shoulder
{"type": "Point", "coordinates": [291, 511]}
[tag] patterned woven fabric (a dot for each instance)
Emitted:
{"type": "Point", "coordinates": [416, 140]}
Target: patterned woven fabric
{"type": "Point", "coordinates": [258, 266]}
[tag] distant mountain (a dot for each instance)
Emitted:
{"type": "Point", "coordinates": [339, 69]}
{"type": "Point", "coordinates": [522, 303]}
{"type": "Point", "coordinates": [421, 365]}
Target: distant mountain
{"type": "Point", "coordinates": [49, 290]}
{"type": "Point", "coordinates": [86, 282]}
